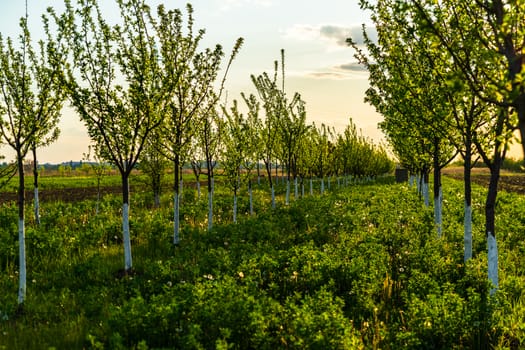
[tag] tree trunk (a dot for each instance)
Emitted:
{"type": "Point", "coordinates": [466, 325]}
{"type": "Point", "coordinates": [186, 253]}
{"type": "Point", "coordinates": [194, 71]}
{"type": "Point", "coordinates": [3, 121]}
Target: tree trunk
{"type": "Point", "coordinates": [176, 200]}
{"type": "Point", "coordinates": [273, 197]}
{"type": "Point", "coordinates": [296, 188]}
{"type": "Point", "coordinates": [22, 285]}
{"type": "Point", "coordinates": [467, 220]}
{"type": "Point", "coordinates": [35, 183]}
{"type": "Point", "coordinates": [250, 193]}
{"type": "Point", "coordinates": [438, 191]}
{"type": "Point", "coordinates": [235, 206]}
{"type": "Point", "coordinates": [426, 194]}
{"type": "Point", "coordinates": [210, 206]}
{"type": "Point", "coordinates": [287, 191]}
{"type": "Point", "coordinates": [490, 206]}
{"type": "Point", "coordinates": [98, 195]}
{"type": "Point", "coordinates": [125, 222]}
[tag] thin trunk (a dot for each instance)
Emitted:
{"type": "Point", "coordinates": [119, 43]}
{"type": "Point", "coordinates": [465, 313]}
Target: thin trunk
{"type": "Point", "coordinates": [322, 185]}
{"type": "Point", "coordinates": [287, 191]}
{"type": "Point", "coordinates": [22, 286]}
{"type": "Point", "coordinates": [258, 173]}
{"type": "Point", "coordinates": [437, 188]}
{"type": "Point", "coordinates": [235, 206]}
{"type": "Point", "coordinates": [467, 221]}
{"type": "Point", "coordinates": [210, 205]}
{"type": "Point", "coordinates": [311, 187]}
{"type": "Point", "coordinates": [156, 200]}
{"type": "Point", "coordinates": [98, 196]}
{"type": "Point", "coordinates": [296, 189]}
{"type": "Point", "coordinates": [426, 194]}
{"type": "Point", "coordinates": [125, 222]}
{"type": "Point", "coordinates": [250, 193]}
{"type": "Point", "coordinates": [273, 197]}
{"type": "Point", "coordinates": [198, 189]}
{"type": "Point", "coordinates": [176, 200]}
{"type": "Point", "coordinates": [35, 183]}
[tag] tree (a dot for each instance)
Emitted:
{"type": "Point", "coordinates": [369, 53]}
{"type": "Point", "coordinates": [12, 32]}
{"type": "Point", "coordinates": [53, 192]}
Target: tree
{"type": "Point", "coordinates": [192, 75]}
{"type": "Point", "coordinates": [119, 117]}
{"type": "Point", "coordinates": [32, 97]}
{"type": "Point", "coordinates": [153, 164]}
{"type": "Point", "coordinates": [322, 140]}
{"type": "Point", "coordinates": [235, 149]}
{"type": "Point", "coordinates": [99, 167]}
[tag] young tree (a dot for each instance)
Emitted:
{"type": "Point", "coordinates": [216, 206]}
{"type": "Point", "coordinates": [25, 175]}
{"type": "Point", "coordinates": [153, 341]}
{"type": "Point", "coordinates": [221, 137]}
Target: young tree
{"type": "Point", "coordinates": [235, 149]}
{"type": "Point", "coordinates": [119, 116]}
{"type": "Point", "coordinates": [30, 105]}
{"type": "Point", "coordinates": [99, 167]}
{"type": "Point", "coordinates": [153, 164]}
{"type": "Point", "coordinates": [192, 75]}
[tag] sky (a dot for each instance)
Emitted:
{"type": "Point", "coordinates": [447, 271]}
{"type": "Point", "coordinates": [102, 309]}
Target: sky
{"type": "Point", "coordinates": [319, 64]}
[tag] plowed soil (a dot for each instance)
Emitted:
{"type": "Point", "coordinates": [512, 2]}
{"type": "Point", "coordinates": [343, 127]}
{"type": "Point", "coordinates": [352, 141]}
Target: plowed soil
{"type": "Point", "coordinates": [509, 181]}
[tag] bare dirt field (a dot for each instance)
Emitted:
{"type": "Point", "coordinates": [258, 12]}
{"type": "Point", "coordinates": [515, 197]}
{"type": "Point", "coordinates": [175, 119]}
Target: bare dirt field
{"type": "Point", "coordinates": [509, 181]}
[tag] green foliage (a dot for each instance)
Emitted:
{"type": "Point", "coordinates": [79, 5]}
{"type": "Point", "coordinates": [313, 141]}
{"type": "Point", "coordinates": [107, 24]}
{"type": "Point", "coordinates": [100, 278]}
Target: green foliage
{"type": "Point", "coordinates": [355, 268]}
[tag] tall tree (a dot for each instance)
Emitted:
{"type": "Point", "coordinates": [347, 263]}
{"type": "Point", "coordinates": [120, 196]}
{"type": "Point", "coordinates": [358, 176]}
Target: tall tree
{"type": "Point", "coordinates": [119, 116]}
{"type": "Point", "coordinates": [30, 104]}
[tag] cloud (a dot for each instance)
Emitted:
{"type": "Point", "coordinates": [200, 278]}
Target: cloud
{"type": "Point", "coordinates": [352, 67]}
{"type": "Point", "coordinates": [334, 35]}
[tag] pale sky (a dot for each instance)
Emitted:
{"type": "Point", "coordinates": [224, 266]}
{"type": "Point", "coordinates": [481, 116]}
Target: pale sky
{"type": "Point", "coordinates": [319, 65]}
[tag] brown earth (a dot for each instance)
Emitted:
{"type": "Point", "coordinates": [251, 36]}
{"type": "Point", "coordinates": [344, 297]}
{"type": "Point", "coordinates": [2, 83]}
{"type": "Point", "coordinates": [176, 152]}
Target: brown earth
{"type": "Point", "coordinates": [509, 181]}
{"type": "Point", "coordinates": [74, 194]}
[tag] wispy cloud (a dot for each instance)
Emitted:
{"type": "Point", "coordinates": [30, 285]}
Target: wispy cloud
{"type": "Point", "coordinates": [334, 35]}
{"type": "Point", "coordinates": [352, 67]}
{"type": "Point", "coordinates": [352, 70]}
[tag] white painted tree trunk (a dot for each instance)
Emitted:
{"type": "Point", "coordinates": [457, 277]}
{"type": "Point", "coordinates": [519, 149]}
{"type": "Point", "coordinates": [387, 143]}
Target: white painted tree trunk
{"type": "Point", "coordinates": [273, 197]}
{"type": "Point", "coordinates": [37, 207]}
{"type": "Point", "coordinates": [322, 185]}
{"type": "Point", "coordinates": [235, 208]}
{"type": "Point", "coordinates": [492, 262]}
{"type": "Point", "coordinates": [157, 200]}
{"type": "Point", "coordinates": [426, 194]}
{"type": "Point", "coordinates": [296, 189]}
{"type": "Point", "coordinates": [302, 188]}
{"type": "Point", "coordinates": [250, 193]}
{"type": "Point", "coordinates": [176, 219]}
{"type": "Point", "coordinates": [22, 282]}
{"type": "Point", "coordinates": [287, 192]}
{"type": "Point", "coordinates": [311, 187]}
{"type": "Point", "coordinates": [198, 190]}
{"type": "Point", "coordinates": [438, 212]}
{"type": "Point", "coordinates": [418, 184]}
{"type": "Point", "coordinates": [127, 240]}
{"type": "Point", "coordinates": [411, 181]}
{"type": "Point", "coordinates": [210, 206]}
{"type": "Point", "coordinates": [467, 232]}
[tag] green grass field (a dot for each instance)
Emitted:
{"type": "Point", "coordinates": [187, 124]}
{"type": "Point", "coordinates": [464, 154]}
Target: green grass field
{"type": "Point", "coordinates": [359, 267]}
